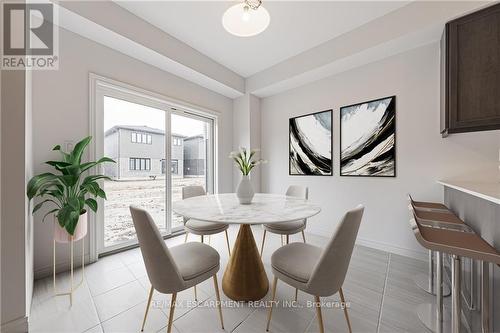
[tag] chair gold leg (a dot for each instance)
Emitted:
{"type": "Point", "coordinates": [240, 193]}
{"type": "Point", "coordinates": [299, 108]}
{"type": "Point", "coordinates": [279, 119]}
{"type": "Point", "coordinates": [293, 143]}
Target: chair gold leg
{"type": "Point", "coordinates": [345, 310]}
{"type": "Point", "coordinates": [262, 246]}
{"type": "Point", "coordinates": [303, 236]}
{"type": "Point", "coordinates": [318, 312]}
{"type": "Point", "coordinates": [171, 315]}
{"type": "Point", "coordinates": [275, 283]}
{"type": "Point", "coordinates": [147, 308]}
{"type": "Point", "coordinates": [287, 239]}
{"type": "Point", "coordinates": [228, 246]}
{"type": "Point", "coordinates": [186, 237]}
{"type": "Point", "coordinates": [216, 286]}
{"type": "Point", "coordinates": [195, 294]}
{"type": "Point", "coordinates": [282, 242]}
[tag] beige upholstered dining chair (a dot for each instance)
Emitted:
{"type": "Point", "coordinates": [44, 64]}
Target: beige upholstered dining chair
{"type": "Point", "coordinates": [202, 228]}
{"type": "Point", "coordinates": [316, 271]}
{"type": "Point", "coordinates": [171, 270]}
{"type": "Point", "coordinates": [288, 228]}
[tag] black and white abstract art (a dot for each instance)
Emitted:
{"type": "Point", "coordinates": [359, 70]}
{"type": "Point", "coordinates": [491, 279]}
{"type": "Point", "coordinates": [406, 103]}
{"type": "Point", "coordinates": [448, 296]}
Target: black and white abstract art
{"type": "Point", "coordinates": [368, 138]}
{"type": "Point", "coordinates": [310, 144]}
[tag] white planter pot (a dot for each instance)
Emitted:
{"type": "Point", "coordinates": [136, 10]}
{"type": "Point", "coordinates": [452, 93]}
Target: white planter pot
{"type": "Point", "coordinates": [245, 191]}
{"type": "Point", "coordinates": [62, 236]}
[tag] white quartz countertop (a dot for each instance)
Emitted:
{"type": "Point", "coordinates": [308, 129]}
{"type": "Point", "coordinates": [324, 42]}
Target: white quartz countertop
{"type": "Point", "coordinates": [487, 190]}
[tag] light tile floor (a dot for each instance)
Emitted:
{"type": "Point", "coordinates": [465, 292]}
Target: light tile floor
{"type": "Point", "coordinates": [379, 287]}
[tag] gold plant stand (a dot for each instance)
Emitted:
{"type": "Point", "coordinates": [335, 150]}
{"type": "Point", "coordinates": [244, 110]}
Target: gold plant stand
{"type": "Point", "coordinates": [72, 287]}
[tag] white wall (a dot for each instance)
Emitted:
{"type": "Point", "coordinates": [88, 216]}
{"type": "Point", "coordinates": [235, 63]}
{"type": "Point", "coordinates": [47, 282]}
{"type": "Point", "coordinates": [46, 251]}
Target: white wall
{"type": "Point", "coordinates": [16, 226]}
{"type": "Point", "coordinates": [422, 155]}
{"type": "Point", "coordinates": [61, 112]}
{"type": "Point", "coordinates": [246, 133]}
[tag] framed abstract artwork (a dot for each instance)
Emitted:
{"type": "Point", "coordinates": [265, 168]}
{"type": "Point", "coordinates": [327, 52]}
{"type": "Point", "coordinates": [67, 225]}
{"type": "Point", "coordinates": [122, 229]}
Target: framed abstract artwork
{"type": "Point", "coordinates": [310, 144]}
{"type": "Point", "coordinates": [368, 138]}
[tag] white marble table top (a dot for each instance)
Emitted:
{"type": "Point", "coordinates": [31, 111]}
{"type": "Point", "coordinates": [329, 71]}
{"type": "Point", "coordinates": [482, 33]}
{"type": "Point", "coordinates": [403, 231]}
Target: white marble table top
{"type": "Point", "coordinates": [265, 208]}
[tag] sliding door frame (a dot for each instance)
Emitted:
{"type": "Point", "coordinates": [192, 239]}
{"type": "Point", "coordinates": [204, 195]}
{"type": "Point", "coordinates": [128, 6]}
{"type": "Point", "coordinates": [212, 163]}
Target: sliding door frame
{"type": "Point", "coordinates": [99, 87]}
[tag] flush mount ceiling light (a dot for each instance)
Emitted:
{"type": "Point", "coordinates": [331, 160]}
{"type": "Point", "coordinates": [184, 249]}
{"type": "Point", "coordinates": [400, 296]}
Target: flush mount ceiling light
{"type": "Point", "coordinates": [246, 19]}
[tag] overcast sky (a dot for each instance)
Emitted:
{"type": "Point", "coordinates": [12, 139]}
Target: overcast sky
{"type": "Point", "coordinates": [120, 112]}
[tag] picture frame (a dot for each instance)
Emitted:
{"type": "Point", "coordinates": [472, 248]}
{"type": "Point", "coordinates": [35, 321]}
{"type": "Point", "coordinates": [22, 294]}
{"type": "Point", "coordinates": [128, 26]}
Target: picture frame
{"type": "Point", "coordinates": [384, 162]}
{"type": "Point", "coordinates": [310, 144]}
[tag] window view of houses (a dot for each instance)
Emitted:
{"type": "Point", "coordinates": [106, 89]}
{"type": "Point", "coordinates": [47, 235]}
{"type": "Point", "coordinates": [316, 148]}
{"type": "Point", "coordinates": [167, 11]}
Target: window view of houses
{"type": "Point", "coordinates": [134, 137]}
{"type": "Point", "coordinates": [139, 151]}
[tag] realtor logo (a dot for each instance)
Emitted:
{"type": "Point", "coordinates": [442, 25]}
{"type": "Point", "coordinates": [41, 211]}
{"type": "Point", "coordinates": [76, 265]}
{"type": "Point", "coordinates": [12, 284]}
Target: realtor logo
{"type": "Point", "coordinates": [29, 36]}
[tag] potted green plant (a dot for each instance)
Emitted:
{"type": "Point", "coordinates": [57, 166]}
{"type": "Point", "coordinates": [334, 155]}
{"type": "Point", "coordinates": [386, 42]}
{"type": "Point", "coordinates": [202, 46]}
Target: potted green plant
{"type": "Point", "coordinates": [245, 160]}
{"type": "Point", "coordinates": [70, 191]}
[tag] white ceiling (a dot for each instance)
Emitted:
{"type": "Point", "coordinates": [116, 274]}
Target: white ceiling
{"type": "Point", "coordinates": [295, 27]}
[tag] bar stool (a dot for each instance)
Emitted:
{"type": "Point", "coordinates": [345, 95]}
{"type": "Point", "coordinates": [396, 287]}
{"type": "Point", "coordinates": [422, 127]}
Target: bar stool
{"type": "Point", "coordinates": [433, 315]}
{"type": "Point", "coordinates": [426, 281]}
{"type": "Point", "coordinates": [458, 244]}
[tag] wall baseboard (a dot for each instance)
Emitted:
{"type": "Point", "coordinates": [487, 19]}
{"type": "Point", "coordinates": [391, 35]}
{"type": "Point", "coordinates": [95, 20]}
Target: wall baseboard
{"type": "Point", "coordinates": [19, 325]}
{"type": "Point", "coordinates": [411, 253]}
{"type": "Point", "coordinates": [405, 252]}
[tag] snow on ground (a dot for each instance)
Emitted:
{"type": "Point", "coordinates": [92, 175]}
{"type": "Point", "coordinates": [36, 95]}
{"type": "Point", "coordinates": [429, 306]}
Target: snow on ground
{"type": "Point", "coordinates": [146, 193]}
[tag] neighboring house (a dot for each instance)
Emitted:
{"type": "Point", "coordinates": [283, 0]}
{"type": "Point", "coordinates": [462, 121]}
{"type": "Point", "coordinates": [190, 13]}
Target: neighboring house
{"type": "Point", "coordinates": [195, 153]}
{"type": "Point", "coordinates": [139, 152]}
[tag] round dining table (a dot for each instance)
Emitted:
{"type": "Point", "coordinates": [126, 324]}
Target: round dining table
{"type": "Point", "coordinates": [245, 278]}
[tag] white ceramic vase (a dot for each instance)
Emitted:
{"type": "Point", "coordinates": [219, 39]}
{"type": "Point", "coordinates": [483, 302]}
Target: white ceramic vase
{"type": "Point", "coordinates": [245, 192]}
{"type": "Point", "coordinates": [62, 236]}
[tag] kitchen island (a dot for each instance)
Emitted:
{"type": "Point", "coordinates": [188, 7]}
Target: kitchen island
{"type": "Point", "coordinates": [477, 203]}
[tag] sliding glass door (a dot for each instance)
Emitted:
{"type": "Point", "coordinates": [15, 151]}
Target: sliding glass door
{"type": "Point", "coordinates": [158, 150]}
{"type": "Point", "coordinates": [134, 136]}
{"type": "Point", "coordinates": [192, 151]}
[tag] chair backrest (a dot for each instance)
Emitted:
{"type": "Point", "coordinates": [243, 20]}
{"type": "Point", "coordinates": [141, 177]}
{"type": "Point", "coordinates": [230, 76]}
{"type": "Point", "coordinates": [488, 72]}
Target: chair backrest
{"type": "Point", "coordinates": [329, 273]}
{"type": "Point", "coordinates": [192, 191]}
{"type": "Point", "coordinates": [298, 191]}
{"type": "Point", "coordinates": [160, 266]}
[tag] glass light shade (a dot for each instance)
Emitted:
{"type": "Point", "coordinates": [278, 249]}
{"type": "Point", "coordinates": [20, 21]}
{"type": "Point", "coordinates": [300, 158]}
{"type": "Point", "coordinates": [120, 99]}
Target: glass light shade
{"type": "Point", "coordinates": [245, 22]}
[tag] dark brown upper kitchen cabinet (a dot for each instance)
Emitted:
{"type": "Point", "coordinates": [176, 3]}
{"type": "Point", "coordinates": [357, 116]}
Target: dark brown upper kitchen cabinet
{"type": "Point", "coordinates": [470, 73]}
